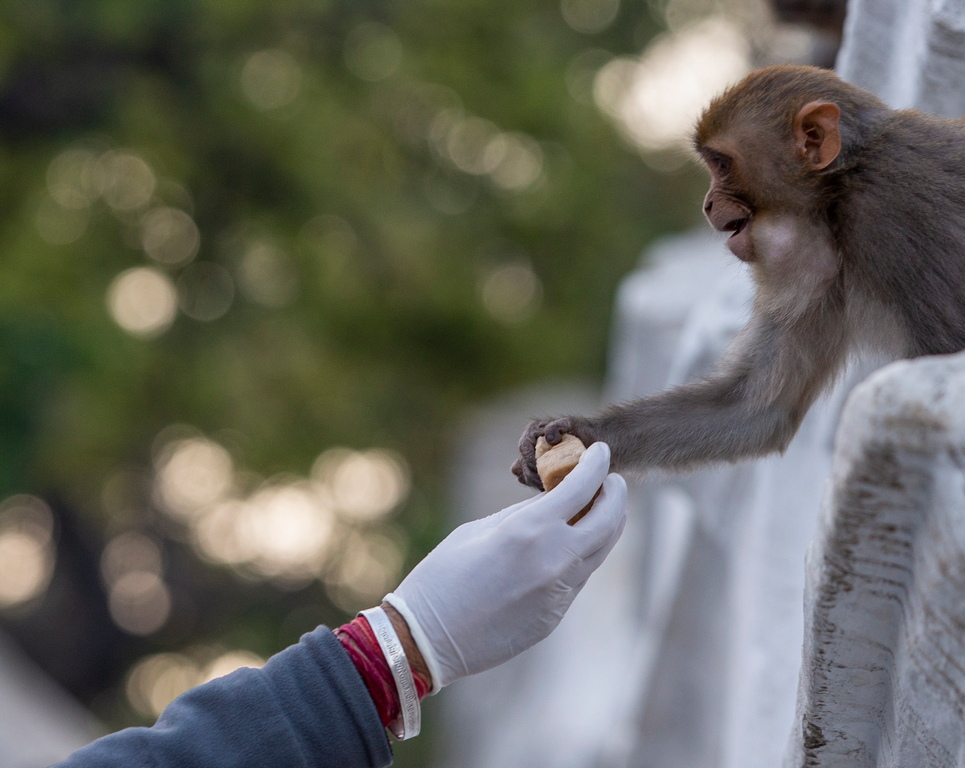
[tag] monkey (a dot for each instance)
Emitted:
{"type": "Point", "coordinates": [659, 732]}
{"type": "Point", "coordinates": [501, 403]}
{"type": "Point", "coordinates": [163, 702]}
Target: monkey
{"type": "Point", "coordinates": [851, 219]}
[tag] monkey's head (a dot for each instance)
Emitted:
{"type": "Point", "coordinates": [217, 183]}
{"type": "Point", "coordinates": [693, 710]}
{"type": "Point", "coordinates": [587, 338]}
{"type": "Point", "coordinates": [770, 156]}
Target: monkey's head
{"type": "Point", "coordinates": [774, 142]}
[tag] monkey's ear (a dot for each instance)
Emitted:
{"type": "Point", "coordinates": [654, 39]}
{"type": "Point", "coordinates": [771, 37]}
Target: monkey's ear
{"type": "Point", "coordinates": [817, 136]}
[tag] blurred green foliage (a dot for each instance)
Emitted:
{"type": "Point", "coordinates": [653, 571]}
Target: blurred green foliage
{"type": "Point", "coordinates": [386, 243]}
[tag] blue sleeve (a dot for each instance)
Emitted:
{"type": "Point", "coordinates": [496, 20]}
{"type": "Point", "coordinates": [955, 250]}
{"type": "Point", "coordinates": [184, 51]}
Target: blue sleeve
{"type": "Point", "coordinates": [307, 707]}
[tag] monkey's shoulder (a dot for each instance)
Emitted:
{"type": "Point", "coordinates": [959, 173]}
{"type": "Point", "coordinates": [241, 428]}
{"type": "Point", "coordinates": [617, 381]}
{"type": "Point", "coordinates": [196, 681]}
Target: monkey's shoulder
{"type": "Point", "coordinates": [912, 171]}
{"type": "Point", "coordinates": [911, 143]}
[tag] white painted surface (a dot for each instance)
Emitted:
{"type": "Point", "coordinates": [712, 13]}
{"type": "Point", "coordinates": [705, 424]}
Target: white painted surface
{"type": "Point", "coordinates": [39, 723]}
{"type": "Point", "coordinates": [883, 673]}
{"type": "Point", "coordinates": [909, 52]}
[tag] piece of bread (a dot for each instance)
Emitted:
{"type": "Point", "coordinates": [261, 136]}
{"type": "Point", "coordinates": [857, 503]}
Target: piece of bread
{"type": "Point", "coordinates": [554, 462]}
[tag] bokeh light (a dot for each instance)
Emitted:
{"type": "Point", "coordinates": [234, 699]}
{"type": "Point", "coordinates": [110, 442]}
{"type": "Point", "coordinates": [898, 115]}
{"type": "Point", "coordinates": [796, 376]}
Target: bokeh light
{"type": "Point", "coordinates": [230, 661]}
{"type": "Point", "coordinates": [138, 599]}
{"type": "Point", "coordinates": [125, 181]}
{"type": "Point", "coordinates": [267, 276]}
{"type": "Point", "coordinates": [369, 566]}
{"type": "Point", "coordinates": [70, 178]}
{"type": "Point", "coordinates": [590, 16]}
{"type": "Point", "coordinates": [139, 602]}
{"type": "Point", "coordinates": [656, 99]}
{"type": "Point", "coordinates": [24, 567]}
{"type": "Point", "coordinates": [515, 160]}
{"type": "Point", "coordinates": [364, 485]}
{"type": "Point", "coordinates": [219, 535]}
{"type": "Point", "coordinates": [512, 293]}
{"type": "Point", "coordinates": [752, 15]}
{"type": "Point", "coordinates": [170, 236]}
{"type": "Point", "coordinates": [373, 51]}
{"type": "Point", "coordinates": [285, 530]}
{"type": "Point", "coordinates": [442, 124]}
{"type": "Point", "coordinates": [129, 552]}
{"type": "Point", "coordinates": [192, 474]}
{"type": "Point", "coordinates": [157, 680]}
{"type": "Point", "coordinates": [467, 142]}
{"type": "Point", "coordinates": [26, 549]}
{"type": "Point", "coordinates": [142, 301]}
{"type": "Point", "coordinates": [271, 79]}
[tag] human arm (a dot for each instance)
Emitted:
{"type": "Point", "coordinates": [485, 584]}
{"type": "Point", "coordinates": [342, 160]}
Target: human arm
{"type": "Point", "coordinates": [307, 707]}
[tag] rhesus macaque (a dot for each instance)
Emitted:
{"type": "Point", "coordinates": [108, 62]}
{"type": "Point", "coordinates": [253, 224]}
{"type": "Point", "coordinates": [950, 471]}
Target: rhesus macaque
{"type": "Point", "coordinates": [851, 217]}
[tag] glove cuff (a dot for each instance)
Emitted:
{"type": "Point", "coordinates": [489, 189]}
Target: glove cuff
{"type": "Point", "coordinates": [420, 638]}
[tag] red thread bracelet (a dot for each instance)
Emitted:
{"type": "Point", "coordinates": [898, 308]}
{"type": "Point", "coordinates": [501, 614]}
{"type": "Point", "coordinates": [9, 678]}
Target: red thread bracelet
{"type": "Point", "coordinates": [363, 648]}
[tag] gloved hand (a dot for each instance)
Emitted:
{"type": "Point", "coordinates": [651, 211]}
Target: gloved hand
{"type": "Point", "coordinates": [496, 586]}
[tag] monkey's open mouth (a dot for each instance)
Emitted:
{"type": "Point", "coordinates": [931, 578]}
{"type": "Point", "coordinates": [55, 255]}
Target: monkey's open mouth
{"type": "Point", "coordinates": [736, 226]}
{"type": "Point", "coordinates": [738, 243]}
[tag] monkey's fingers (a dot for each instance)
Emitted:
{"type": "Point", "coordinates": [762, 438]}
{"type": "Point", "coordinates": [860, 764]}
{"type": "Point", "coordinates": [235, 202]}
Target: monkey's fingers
{"type": "Point", "coordinates": [527, 443]}
{"type": "Point", "coordinates": [554, 430]}
{"type": "Point", "coordinates": [525, 466]}
{"type": "Point", "coordinates": [526, 478]}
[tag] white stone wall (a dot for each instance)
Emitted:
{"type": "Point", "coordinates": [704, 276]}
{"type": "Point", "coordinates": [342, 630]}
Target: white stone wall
{"type": "Point", "coordinates": [883, 671]}
{"type": "Point", "coordinates": [909, 52]}
{"type": "Point", "coordinates": [39, 723]}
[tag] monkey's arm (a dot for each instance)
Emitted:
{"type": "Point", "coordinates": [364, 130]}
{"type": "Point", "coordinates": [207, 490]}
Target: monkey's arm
{"type": "Point", "coordinates": [753, 405]}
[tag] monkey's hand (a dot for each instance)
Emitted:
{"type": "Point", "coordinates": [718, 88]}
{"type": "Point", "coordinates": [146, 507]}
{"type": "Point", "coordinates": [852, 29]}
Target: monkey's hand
{"type": "Point", "coordinates": [553, 430]}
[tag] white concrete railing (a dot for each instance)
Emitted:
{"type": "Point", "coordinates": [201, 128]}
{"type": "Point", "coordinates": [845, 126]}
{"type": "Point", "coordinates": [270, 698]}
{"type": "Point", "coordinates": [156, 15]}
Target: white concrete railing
{"type": "Point", "coordinates": [883, 672]}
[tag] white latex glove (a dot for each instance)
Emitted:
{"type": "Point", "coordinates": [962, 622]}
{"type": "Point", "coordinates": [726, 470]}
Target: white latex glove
{"type": "Point", "coordinates": [498, 585]}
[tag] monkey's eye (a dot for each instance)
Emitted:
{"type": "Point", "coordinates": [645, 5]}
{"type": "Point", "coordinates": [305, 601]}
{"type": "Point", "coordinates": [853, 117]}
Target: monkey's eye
{"type": "Point", "coordinates": [722, 164]}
